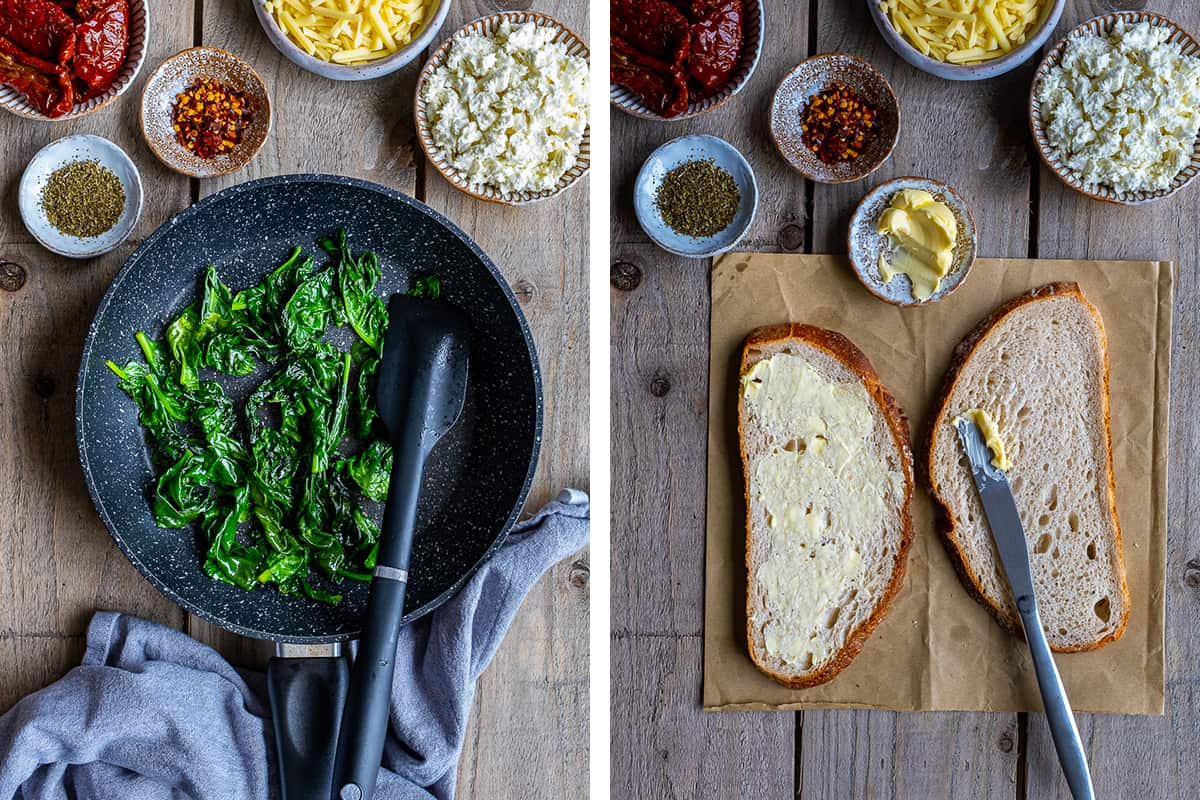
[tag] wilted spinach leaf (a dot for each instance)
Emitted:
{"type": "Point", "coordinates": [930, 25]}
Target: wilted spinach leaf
{"type": "Point", "coordinates": [273, 499]}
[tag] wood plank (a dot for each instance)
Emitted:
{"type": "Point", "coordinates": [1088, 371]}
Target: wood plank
{"type": "Point", "coordinates": [361, 129]}
{"type": "Point", "coordinates": [663, 745]}
{"type": "Point", "coordinates": [32, 662]}
{"type": "Point", "coordinates": [533, 697]}
{"type": "Point", "coordinates": [677, 750]}
{"type": "Point", "coordinates": [887, 755]}
{"type": "Point", "coordinates": [58, 564]}
{"type": "Point", "coordinates": [1129, 755]}
{"type": "Point", "coordinates": [529, 722]}
{"type": "Point", "coordinates": [973, 137]}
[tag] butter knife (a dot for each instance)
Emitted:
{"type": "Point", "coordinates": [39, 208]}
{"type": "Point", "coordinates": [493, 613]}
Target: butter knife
{"type": "Point", "coordinates": [1005, 523]}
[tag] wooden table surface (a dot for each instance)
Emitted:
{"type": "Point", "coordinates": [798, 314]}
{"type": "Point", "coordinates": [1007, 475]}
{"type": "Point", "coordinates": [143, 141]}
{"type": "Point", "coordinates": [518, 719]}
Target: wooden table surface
{"type": "Point", "coordinates": [528, 735]}
{"type": "Point", "coordinates": [974, 136]}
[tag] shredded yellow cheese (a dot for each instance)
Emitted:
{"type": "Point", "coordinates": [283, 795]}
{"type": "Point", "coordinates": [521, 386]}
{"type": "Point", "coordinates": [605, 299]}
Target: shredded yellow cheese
{"type": "Point", "coordinates": [964, 31]}
{"type": "Point", "coordinates": [350, 31]}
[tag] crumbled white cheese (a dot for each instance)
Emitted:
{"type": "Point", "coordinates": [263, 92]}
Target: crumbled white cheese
{"type": "Point", "coordinates": [1123, 110]}
{"type": "Point", "coordinates": [509, 110]}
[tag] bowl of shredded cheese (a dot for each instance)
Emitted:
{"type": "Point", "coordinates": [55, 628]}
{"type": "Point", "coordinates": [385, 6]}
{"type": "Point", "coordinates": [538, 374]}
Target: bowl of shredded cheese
{"type": "Point", "coordinates": [351, 40]}
{"type": "Point", "coordinates": [502, 108]}
{"type": "Point", "coordinates": [966, 40]}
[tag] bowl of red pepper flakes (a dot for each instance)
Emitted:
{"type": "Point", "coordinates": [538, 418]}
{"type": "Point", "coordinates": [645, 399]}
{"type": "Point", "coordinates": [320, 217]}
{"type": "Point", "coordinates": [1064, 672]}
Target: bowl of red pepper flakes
{"type": "Point", "coordinates": [676, 59]}
{"type": "Point", "coordinates": [61, 61]}
{"type": "Point", "coordinates": [835, 118]}
{"type": "Point", "coordinates": [205, 112]}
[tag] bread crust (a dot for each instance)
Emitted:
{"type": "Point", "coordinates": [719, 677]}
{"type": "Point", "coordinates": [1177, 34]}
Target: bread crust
{"type": "Point", "coordinates": [946, 522]}
{"type": "Point", "coordinates": [841, 348]}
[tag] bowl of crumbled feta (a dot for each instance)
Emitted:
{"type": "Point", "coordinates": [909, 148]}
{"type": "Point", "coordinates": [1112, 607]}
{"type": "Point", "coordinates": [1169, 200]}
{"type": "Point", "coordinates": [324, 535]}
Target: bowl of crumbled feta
{"type": "Point", "coordinates": [502, 108]}
{"type": "Point", "coordinates": [1115, 108]}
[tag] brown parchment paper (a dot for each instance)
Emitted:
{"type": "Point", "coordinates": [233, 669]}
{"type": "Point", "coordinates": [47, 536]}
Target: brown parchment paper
{"type": "Point", "coordinates": [937, 649]}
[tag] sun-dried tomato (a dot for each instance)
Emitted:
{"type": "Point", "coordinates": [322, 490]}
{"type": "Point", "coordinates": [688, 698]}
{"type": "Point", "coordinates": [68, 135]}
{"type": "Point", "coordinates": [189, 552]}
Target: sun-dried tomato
{"type": "Point", "coordinates": [670, 52]}
{"type": "Point", "coordinates": [716, 41]}
{"type": "Point", "coordinates": [38, 27]}
{"type": "Point", "coordinates": [655, 27]}
{"type": "Point", "coordinates": [48, 86]}
{"type": "Point", "coordinates": [661, 86]}
{"type": "Point", "coordinates": [101, 41]}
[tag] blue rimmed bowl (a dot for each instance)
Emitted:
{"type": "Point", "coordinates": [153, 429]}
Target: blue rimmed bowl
{"type": "Point", "coordinates": [679, 151]}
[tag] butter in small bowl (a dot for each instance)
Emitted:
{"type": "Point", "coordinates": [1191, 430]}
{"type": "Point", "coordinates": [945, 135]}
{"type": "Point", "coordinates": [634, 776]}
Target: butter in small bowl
{"type": "Point", "coordinates": [911, 241]}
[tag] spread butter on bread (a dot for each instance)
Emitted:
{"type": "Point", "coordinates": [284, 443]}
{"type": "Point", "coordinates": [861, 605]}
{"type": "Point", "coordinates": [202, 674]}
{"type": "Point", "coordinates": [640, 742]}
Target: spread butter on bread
{"type": "Point", "coordinates": [829, 482]}
{"type": "Point", "coordinates": [1038, 366]}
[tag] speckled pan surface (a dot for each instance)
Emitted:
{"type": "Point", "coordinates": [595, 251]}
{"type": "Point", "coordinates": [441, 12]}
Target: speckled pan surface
{"type": "Point", "coordinates": [813, 76]}
{"type": "Point", "coordinates": [479, 474]}
{"type": "Point", "coordinates": [865, 244]}
{"type": "Point", "coordinates": [139, 25]}
{"type": "Point", "coordinates": [1050, 156]}
{"type": "Point", "coordinates": [174, 76]}
{"type": "Point", "coordinates": [752, 45]}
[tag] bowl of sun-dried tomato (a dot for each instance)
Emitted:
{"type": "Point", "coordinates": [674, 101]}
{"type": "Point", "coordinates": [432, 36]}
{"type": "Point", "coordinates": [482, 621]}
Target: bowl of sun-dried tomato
{"type": "Point", "coordinates": [676, 59]}
{"type": "Point", "coordinates": [61, 61]}
{"type": "Point", "coordinates": [205, 112]}
{"type": "Point", "coordinates": [835, 118]}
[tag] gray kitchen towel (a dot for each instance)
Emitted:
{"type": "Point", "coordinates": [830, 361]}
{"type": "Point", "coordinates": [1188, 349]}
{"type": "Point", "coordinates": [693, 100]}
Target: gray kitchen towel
{"type": "Point", "coordinates": [152, 714]}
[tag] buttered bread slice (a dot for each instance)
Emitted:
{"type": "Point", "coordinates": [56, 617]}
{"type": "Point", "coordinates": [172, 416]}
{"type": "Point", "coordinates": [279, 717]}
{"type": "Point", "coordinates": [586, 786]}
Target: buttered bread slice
{"type": "Point", "coordinates": [828, 475]}
{"type": "Point", "coordinates": [1038, 368]}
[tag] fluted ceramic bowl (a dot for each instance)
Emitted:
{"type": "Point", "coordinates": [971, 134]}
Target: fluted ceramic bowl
{"type": "Point", "coordinates": [752, 44]}
{"type": "Point", "coordinates": [575, 45]}
{"type": "Point", "coordinates": [1050, 156]}
{"type": "Point", "coordinates": [139, 26]}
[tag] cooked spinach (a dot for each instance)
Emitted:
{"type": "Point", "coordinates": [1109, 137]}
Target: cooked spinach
{"type": "Point", "coordinates": [276, 486]}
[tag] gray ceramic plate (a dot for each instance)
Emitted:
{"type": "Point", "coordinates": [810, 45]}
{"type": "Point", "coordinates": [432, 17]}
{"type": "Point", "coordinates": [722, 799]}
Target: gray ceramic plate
{"type": "Point", "coordinates": [969, 72]}
{"type": "Point", "coordinates": [82, 147]}
{"type": "Point", "coordinates": [671, 155]}
{"type": "Point", "coordinates": [865, 244]}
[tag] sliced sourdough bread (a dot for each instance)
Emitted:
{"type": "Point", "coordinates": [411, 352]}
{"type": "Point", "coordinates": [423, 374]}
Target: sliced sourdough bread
{"type": "Point", "coordinates": [829, 481]}
{"type": "Point", "coordinates": [1039, 367]}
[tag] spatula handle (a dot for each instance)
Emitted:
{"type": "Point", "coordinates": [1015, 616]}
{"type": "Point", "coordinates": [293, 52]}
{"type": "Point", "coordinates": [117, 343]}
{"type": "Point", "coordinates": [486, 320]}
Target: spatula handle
{"type": "Point", "coordinates": [365, 720]}
{"type": "Point", "coordinates": [1054, 698]}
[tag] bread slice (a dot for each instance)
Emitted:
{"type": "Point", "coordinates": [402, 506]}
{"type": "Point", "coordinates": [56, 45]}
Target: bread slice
{"type": "Point", "coordinates": [1039, 367]}
{"type": "Point", "coordinates": [829, 482]}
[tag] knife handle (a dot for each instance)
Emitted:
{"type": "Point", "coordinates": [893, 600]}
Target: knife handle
{"type": "Point", "coordinates": [1054, 698]}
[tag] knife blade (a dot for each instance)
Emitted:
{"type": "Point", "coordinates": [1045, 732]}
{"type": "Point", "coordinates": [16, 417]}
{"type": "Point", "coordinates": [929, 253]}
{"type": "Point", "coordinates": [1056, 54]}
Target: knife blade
{"type": "Point", "coordinates": [1004, 521]}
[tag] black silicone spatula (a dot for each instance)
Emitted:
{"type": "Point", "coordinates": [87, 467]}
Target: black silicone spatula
{"type": "Point", "coordinates": [422, 385]}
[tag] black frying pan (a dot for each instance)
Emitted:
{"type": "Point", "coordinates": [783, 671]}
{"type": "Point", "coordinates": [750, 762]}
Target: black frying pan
{"type": "Point", "coordinates": [477, 478]}
{"type": "Point", "coordinates": [474, 483]}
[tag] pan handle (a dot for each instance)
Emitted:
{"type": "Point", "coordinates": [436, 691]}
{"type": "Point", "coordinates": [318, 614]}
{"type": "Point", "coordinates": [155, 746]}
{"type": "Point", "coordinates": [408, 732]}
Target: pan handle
{"type": "Point", "coordinates": [365, 722]}
{"type": "Point", "coordinates": [307, 696]}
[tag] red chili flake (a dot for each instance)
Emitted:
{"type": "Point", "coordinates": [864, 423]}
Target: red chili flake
{"type": "Point", "coordinates": [838, 124]}
{"type": "Point", "coordinates": [209, 117]}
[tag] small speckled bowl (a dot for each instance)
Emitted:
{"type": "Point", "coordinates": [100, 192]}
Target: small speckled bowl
{"type": "Point", "coordinates": [82, 147]}
{"type": "Point", "coordinates": [865, 244]}
{"type": "Point", "coordinates": [174, 76]}
{"type": "Point", "coordinates": [575, 45]}
{"type": "Point", "coordinates": [139, 24]}
{"type": "Point", "coordinates": [671, 155]}
{"type": "Point", "coordinates": [359, 72]}
{"type": "Point", "coordinates": [970, 72]}
{"type": "Point", "coordinates": [1099, 26]}
{"type": "Point", "coordinates": [752, 45]}
{"type": "Point", "coordinates": [817, 74]}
